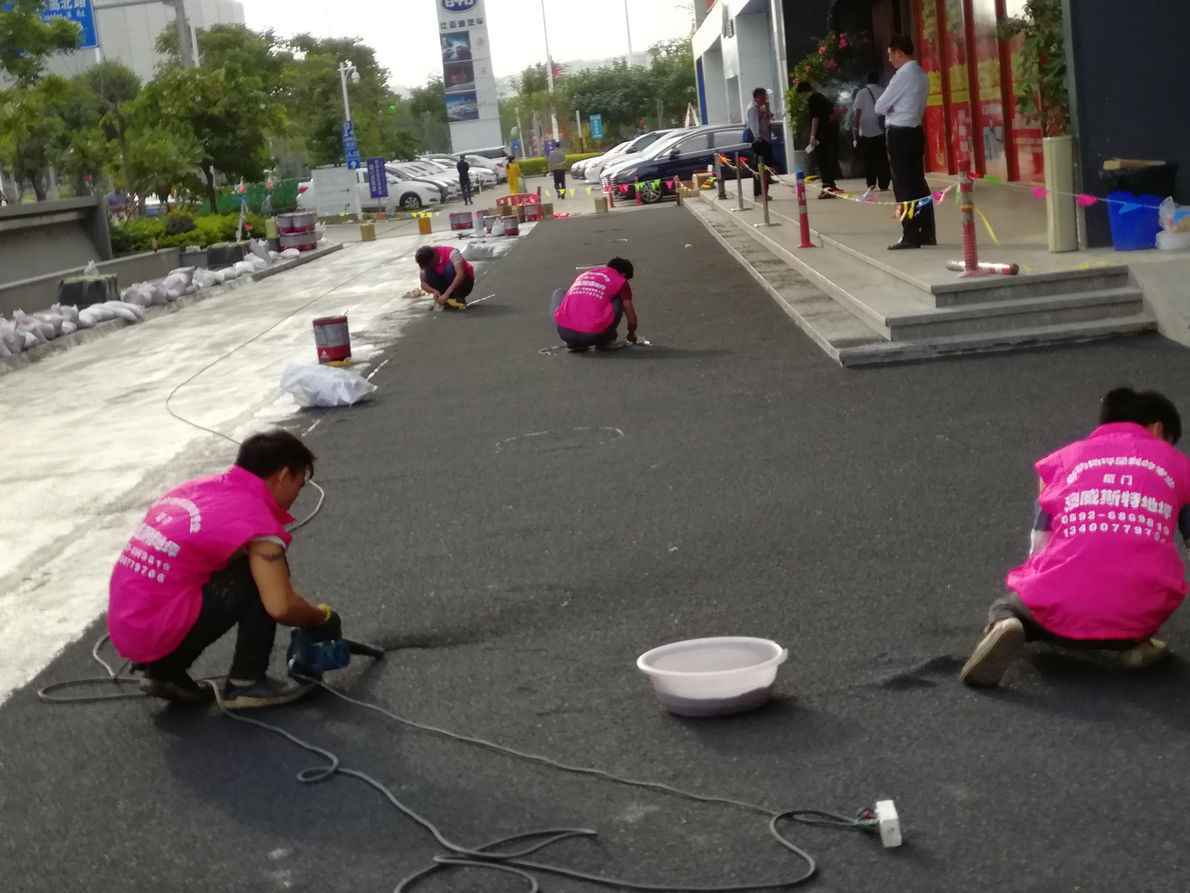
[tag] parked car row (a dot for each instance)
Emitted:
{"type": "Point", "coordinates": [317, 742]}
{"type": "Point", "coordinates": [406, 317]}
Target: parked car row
{"type": "Point", "coordinates": [678, 155]}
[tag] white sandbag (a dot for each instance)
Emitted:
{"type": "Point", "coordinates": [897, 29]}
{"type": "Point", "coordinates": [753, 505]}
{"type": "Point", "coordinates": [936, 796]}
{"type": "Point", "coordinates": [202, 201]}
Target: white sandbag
{"type": "Point", "coordinates": [12, 340]}
{"type": "Point", "coordinates": [244, 268]}
{"type": "Point", "coordinates": [205, 279]}
{"type": "Point", "coordinates": [325, 385]}
{"type": "Point", "coordinates": [69, 328]}
{"type": "Point", "coordinates": [51, 318]}
{"type": "Point", "coordinates": [259, 264]}
{"type": "Point", "coordinates": [185, 273]}
{"type": "Point", "coordinates": [486, 249]}
{"type": "Point", "coordinates": [125, 311]}
{"type": "Point", "coordinates": [4, 351]}
{"type": "Point", "coordinates": [290, 253]}
{"type": "Point", "coordinates": [68, 312]}
{"type": "Point", "coordinates": [229, 273]}
{"type": "Point", "coordinates": [275, 256]}
{"type": "Point", "coordinates": [259, 248]}
{"type": "Point", "coordinates": [88, 317]}
{"type": "Point", "coordinates": [30, 340]}
{"type": "Point", "coordinates": [175, 286]}
{"type": "Point", "coordinates": [137, 293]}
{"type": "Point", "coordinates": [41, 332]}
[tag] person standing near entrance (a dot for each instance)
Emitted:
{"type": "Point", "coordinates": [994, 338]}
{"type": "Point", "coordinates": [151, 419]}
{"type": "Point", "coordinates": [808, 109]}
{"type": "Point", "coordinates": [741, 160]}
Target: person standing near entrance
{"type": "Point", "coordinates": [824, 137]}
{"type": "Point", "coordinates": [903, 103]}
{"type": "Point", "coordinates": [867, 134]}
{"type": "Point", "coordinates": [464, 170]}
{"type": "Point", "coordinates": [759, 118]}
{"type": "Point", "coordinates": [557, 162]}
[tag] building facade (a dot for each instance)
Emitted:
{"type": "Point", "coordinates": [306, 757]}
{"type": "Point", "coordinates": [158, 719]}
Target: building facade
{"type": "Point", "coordinates": [128, 34]}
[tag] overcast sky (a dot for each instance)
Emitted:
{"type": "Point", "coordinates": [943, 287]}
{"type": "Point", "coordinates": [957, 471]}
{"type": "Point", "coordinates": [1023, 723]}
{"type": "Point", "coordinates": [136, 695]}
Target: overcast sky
{"type": "Point", "coordinates": [404, 33]}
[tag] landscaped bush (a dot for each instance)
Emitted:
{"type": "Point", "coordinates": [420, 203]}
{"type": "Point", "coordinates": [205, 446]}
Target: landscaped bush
{"type": "Point", "coordinates": [207, 229]}
{"type": "Point", "coordinates": [176, 224]}
{"type": "Point", "coordinates": [537, 166]}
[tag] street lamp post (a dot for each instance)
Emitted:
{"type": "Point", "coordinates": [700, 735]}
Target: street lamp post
{"type": "Point", "coordinates": [628, 31]}
{"type": "Point", "coordinates": [347, 68]}
{"type": "Point", "coordinates": [549, 70]}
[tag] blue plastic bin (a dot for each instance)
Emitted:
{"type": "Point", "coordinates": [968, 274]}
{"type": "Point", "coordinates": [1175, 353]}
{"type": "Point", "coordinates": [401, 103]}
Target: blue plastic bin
{"type": "Point", "coordinates": [1134, 220]}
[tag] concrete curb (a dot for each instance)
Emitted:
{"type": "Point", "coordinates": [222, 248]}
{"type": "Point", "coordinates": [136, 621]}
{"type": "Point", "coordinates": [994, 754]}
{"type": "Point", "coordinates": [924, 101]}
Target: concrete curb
{"type": "Point", "coordinates": [84, 336]}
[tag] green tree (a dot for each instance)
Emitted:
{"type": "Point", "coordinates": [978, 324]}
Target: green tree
{"type": "Point", "coordinates": [423, 117]}
{"type": "Point", "coordinates": [31, 132]}
{"type": "Point", "coordinates": [227, 111]}
{"type": "Point", "coordinates": [25, 41]}
{"type": "Point", "coordinates": [163, 158]}
{"type": "Point", "coordinates": [671, 72]}
{"type": "Point", "coordinates": [84, 151]}
{"type": "Point", "coordinates": [115, 85]}
{"type": "Point", "coordinates": [623, 95]}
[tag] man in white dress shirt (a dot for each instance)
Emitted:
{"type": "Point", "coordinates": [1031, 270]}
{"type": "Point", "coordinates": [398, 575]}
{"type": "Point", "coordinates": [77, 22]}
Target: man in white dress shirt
{"type": "Point", "coordinates": [903, 103]}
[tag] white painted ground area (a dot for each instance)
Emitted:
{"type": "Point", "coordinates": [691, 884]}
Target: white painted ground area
{"type": "Point", "coordinates": [86, 443]}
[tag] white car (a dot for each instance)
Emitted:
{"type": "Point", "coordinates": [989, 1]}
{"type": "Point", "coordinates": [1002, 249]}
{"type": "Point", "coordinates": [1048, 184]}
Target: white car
{"type": "Point", "coordinates": [421, 170]}
{"type": "Point", "coordinates": [622, 152]}
{"type": "Point", "coordinates": [407, 195]}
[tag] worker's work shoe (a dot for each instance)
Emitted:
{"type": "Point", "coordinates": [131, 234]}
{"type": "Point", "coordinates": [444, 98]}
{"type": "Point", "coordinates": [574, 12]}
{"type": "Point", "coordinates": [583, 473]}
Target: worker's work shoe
{"type": "Point", "coordinates": [995, 653]}
{"type": "Point", "coordinates": [174, 685]}
{"type": "Point", "coordinates": [456, 304]}
{"type": "Point", "coordinates": [265, 692]}
{"type": "Point", "coordinates": [614, 344]}
{"type": "Point", "coordinates": [1143, 655]}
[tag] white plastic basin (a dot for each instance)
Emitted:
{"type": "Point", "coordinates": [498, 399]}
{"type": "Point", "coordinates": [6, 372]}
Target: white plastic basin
{"type": "Point", "coordinates": [713, 676]}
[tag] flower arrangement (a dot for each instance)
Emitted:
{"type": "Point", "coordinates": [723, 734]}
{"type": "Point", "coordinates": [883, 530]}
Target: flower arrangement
{"type": "Point", "coordinates": [837, 58]}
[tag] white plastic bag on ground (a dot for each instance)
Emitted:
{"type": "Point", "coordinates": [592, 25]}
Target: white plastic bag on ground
{"type": "Point", "coordinates": [274, 256]}
{"type": "Point", "coordinates": [69, 328]}
{"type": "Point", "coordinates": [41, 331]}
{"type": "Point", "coordinates": [485, 249]}
{"type": "Point", "coordinates": [186, 274]}
{"type": "Point", "coordinates": [1169, 240]}
{"type": "Point", "coordinates": [51, 318]}
{"type": "Point", "coordinates": [91, 269]}
{"type": "Point", "coordinates": [175, 286]}
{"type": "Point", "coordinates": [126, 311]}
{"type": "Point", "coordinates": [290, 253]}
{"type": "Point", "coordinates": [4, 351]}
{"type": "Point", "coordinates": [325, 385]}
{"type": "Point", "coordinates": [1174, 218]}
{"type": "Point", "coordinates": [259, 248]}
{"type": "Point", "coordinates": [259, 263]}
{"type": "Point", "coordinates": [244, 268]}
{"type": "Point", "coordinates": [229, 273]}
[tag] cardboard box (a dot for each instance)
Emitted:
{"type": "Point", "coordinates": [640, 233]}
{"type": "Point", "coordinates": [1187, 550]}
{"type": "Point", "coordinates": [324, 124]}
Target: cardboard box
{"type": "Point", "coordinates": [700, 179]}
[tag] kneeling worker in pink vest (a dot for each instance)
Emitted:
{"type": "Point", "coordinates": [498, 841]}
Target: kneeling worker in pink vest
{"type": "Point", "coordinates": [446, 275]}
{"type": "Point", "coordinates": [210, 555]}
{"type": "Point", "coordinates": [588, 313]}
{"type": "Point", "coordinates": [1105, 570]}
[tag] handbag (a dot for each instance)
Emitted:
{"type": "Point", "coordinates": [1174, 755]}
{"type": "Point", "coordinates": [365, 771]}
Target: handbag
{"type": "Point", "coordinates": [747, 136]}
{"type": "Point", "coordinates": [880, 120]}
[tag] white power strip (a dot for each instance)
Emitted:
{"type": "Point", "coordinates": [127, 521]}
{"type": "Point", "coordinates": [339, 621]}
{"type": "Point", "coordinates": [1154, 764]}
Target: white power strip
{"type": "Point", "coordinates": [889, 823]}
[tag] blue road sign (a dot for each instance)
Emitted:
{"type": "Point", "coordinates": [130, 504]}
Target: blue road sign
{"type": "Point", "coordinates": [377, 178]}
{"type": "Point", "coordinates": [78, 11]}
{"type": "Point", "coordinates": [350, 146]}
{"type": "Point", "coordinates": [596, 126]}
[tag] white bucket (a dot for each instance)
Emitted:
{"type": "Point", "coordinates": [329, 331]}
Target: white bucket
{"type": "Point", "coordinates": [714, 676]}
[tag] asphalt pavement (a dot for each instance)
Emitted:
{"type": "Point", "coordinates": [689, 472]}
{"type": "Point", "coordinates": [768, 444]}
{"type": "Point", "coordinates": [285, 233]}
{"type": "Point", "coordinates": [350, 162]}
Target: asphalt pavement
{"type": "Point", "coordinates": [517, 525]}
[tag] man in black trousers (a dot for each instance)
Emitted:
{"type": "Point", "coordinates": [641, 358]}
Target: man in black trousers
{"type": "Point", "coordinates": [903, 103]}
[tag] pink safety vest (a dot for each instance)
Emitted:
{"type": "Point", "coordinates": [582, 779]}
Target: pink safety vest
{"type": "Point", "coordinates": [587, 306]}
{"type": "Point", "coordinates": [155, 591]}
{"type": "Point", "coordinates": [1111, 569]}
{"type": "Point", "coordinates": [444, 267]}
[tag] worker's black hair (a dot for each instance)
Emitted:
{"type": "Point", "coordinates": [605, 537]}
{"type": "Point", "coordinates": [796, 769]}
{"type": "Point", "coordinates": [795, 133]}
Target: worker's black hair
{"type": "Point", "coordinates": [804, 87]}
{"type": "Point", "coordinates": [621, 266]}
{"type": "Point", "coordinates": [425, 256]}
{"type": "Point", "coordinates": [759, 91]}
{"type": "Point", "coordinates": [267, 453]}
{"type": "Point", "coordinates": [873, 77]}
{"type": "Point", "coordinates": [902, 42]}
{"type": "Point", "coordinates": [1143, 408]}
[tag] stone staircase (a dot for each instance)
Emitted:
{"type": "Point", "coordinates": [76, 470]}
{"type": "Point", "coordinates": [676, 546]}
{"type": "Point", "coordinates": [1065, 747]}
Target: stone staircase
{"type": "Point", "coordinates": [862, 311]}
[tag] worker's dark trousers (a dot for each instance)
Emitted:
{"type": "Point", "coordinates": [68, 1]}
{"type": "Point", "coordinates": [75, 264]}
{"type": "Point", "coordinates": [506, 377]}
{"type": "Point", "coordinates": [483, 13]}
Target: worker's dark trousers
{"type": "Point", "coordinates": [560, 183]}
{"type": "Point", "coordinates": [230, 598]}
{"type": "Point", "coordinates": [1012, 605]}
{"type": "Point", "coordinates": [906, 158]}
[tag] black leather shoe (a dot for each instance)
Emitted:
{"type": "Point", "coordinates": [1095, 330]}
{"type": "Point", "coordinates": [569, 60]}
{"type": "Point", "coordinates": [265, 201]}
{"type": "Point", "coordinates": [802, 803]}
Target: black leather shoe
{"type": "Point", "coordinates": [930, 242]}
{"type": "Point", "coordinates": [898, 246]}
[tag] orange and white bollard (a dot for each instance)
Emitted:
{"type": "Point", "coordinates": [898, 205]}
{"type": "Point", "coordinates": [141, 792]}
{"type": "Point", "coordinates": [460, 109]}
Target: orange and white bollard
{"type": "Point", "coordinates": [996, 269]}
{"type": "Point", "coordinates": [611, 198]}
{"type": "Point", "coordinates": [971, 266]}
{"type": "Point", "coordinates": [803, 213]}
{"type": "Point", "coordinates": [638, 199]}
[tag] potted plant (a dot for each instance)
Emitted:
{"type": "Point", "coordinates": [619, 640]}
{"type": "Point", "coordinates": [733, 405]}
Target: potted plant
{"type": "Point", "coordinates": [1039, 76]}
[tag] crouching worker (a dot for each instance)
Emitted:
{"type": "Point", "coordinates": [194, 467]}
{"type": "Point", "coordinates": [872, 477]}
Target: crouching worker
{"type": "Point", "coordinates": [1104, 571]}
{"type": "Point", "coordinates": [588, 314]}
{"type": "Point", "coordinates": [445, 275]}
{"type": "Point", "coordinates": [210, 555]}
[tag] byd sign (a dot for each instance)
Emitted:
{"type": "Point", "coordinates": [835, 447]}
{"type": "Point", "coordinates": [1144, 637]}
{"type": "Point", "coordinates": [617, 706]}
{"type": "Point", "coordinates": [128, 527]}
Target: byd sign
{"type": "Point", "coordinates": [458, 5]}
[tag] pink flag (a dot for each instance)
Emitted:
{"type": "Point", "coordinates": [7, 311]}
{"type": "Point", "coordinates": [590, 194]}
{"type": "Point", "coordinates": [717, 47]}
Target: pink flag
{"type": "Point", "coordinates": [1086, 200]}
{"type": "Point", "coordinates": [669, 184]}
{"type": "Point", "coordinates": [1040, 192]}
{"type": "Point", "coordinates": [623, 187]}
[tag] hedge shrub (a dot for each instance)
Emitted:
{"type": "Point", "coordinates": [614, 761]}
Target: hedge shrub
{"type": "Point", "coordinates": [208, 229]}
{"type": "Point", "coordinates": [538, 166]}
